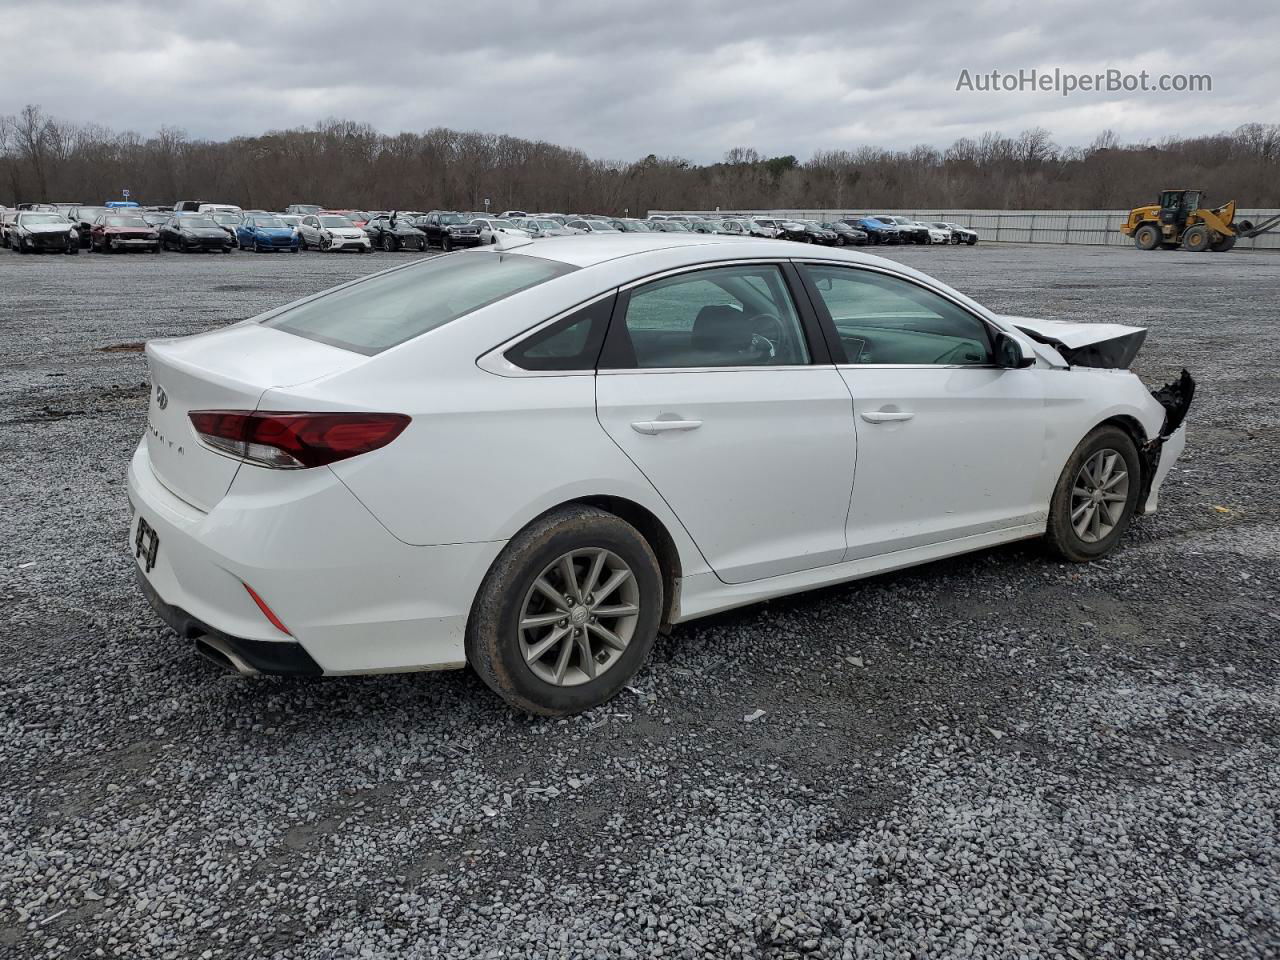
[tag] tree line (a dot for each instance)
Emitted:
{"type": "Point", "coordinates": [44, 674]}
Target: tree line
{"type": "Point", "coordinates": [345, 163]}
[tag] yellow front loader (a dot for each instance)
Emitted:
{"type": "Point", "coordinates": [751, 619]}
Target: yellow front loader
{"type": "Point", "coordinates": [1179, 220]}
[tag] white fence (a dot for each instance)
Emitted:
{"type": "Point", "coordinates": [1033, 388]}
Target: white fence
{"type": "Point", "coordinates": [1015, 226]}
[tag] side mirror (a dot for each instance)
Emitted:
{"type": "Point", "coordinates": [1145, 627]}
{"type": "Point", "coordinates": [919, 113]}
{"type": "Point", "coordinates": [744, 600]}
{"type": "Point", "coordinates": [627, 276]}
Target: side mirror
{"type": "Point", "coordinates": [1009, 353]}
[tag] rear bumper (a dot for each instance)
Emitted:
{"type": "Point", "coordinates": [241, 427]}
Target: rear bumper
{"type": "Point", "coordinates": [256, 656]}
{"type": "Point", "coordinates": [353, 598]}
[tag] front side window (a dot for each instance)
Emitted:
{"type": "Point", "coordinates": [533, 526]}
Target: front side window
{"type": "Point", "coordinates": [375, 314]}
{"type": "Point", "coordinates": [722, 317]}
{"type": "Point", "coordinates": [883, 319]}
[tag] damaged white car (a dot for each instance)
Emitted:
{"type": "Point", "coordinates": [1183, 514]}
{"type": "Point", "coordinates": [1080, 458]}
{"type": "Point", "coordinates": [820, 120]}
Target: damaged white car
{"type": "Point", "coordinates": [531, 457]}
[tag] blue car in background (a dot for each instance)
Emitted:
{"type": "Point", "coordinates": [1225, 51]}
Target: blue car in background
{"type": "Point", "coordinates": [878, 229]}
{"type": "Point", "coordinates": [264, 232]}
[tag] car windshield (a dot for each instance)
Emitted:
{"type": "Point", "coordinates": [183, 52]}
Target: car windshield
{"type": "Point", "coordinates": [126, 222]}
{"type": "Point", "coordinates": [227, 218]}
{"type": "Point", "coordinates": [305, 207]}
{"type": "Point", "coordinates": [290, 219]}
{"type": "Point", "coordinates": [547, 224]}
{"type": "Point", "coordinates": [940, 225]}
{"type": "Point", "coordinates": [197, 223]}
{"type": "Point", "coordinates": [501, 223]}
{"type": "Point", "coordinates": [28, 218]}
{"type": "Point", "coordinates": [335, 222]}
{"type": "Point", "coordinates": [88, 213]}
{"type": "Point", "coordinates": [371, 315]}
{"type": "Point", "coordinates": [268, 222]}
{"type": "Point", "coordinates": [447, 218]}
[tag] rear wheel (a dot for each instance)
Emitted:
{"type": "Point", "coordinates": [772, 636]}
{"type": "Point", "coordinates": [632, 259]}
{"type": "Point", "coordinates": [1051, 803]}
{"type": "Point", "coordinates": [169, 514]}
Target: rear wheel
{"type": "Point", "coordinates": [446, 244]}
{"type": "Point", "coordinates": [388, 243]}
{"type": "Point", "coordinates": [567, 613]}
{"type": "Point", "coordinates": [1196, 239]}
{"type": "Point", "coordinates": [1095, 497]}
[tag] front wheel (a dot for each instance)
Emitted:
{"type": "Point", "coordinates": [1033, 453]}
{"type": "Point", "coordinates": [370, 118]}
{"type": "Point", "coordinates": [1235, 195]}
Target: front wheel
{"type": "Point", "coordinates": [1096, 496]}
{"type": "Point", "coordinates": [446, 244]}
{"type": "Point", "coordinates": [388, 243]}
{"type": "Point", "coordinates": [568, 612]}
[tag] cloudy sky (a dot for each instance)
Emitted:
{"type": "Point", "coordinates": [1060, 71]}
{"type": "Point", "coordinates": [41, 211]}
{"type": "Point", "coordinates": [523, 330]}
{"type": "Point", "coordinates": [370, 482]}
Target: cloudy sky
{"type": "Point", "coordinates": [622, 79]}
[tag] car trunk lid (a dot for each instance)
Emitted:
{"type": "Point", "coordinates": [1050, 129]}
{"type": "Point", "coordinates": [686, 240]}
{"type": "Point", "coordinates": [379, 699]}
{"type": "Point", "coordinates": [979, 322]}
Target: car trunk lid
{"type": "Point", "coordinates": [228, 369]}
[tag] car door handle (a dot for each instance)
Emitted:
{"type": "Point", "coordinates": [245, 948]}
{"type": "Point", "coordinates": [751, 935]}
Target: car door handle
{"type": "Point", "coordinates": [886, 416]}
{"type": "Point", "coordinates": [652, 427]}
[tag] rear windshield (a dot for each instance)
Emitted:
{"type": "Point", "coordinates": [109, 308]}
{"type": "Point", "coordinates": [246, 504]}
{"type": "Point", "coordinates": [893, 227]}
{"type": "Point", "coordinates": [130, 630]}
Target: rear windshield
{"type": "Point", "coordinates": [390, 308]}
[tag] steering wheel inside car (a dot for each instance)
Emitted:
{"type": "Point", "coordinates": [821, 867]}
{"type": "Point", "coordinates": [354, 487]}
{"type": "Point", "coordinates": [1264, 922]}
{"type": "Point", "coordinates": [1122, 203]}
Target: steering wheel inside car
{"type": "Point", "coordinates": [761, 345]}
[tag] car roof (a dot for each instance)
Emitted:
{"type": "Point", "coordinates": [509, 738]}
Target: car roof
{"type": "Point", "coordinates": [588, 250]}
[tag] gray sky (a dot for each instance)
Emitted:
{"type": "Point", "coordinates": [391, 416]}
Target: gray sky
{"type": "Point", "coordinates": [623, 79]}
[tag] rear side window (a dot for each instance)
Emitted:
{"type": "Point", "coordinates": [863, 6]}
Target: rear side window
{"type": "Point", "coordinates": [570, 344]}
{"type": "Point", "coordinates": [385, 310]}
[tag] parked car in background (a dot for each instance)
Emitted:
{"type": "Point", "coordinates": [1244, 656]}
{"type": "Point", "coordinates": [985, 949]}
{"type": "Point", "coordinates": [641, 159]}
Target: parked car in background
{"type": "Point", "coordinates": [559, 218]}
{"type": "Point", "coordinates": [6, 223]}
{"type": "Point", "coordinates": [228, 221]}
{"type": "Point", "coordinates": [878, 229]}
{"type": "Point", "coordinates": [817, 233]}
{"type": "Point", "coordinates": [630, 225]}
{"type": "Point", "coordinates": [541, 227]}
{"type": "Point", "coordinates": [118, 231]}
{"type": "Point", "coordinates": [490, 227]}
{"type": "Point", "coordinates": [960, 234]}
{"type": "Point", "coordinates": [667, 226]}
{"type": "Point", "coordinates": [302, 209]}
{"type": "Point", "coordinates": [592, 225]}
{"type": "Point", "coordinates": [218, 208]}
{"type": "Point", "coordinates": [704, 226]}
{"type": "Point", "coordinates": [289, 219]}
{"type": "Point", "coordinates": [846, 235]}
{"type": "Point", "coordinates": [43, 230]}
{"type": "Point", "coordinates": [265, 232]}
{"type": "Point", "coordinates": [448, 230]}
{"type": "Point", "coordinates": [513, 215]}
{"type": "Point", "coordinates": [393, 232]}
{"type": "Point", "coordinates": [84, 216]}
{"type": "Point", "coordinates": [911, 231]}
{"type": "Point", "coordinates": [937, 234]}
{"type": "Point", "coordinates": [332, 232]}
{"type": "Point", "coordinates": [357, 217]}
{"type": "Point", "coordinates": [155, 218]}
{"type": "Point", "coordinates": [193, 233]}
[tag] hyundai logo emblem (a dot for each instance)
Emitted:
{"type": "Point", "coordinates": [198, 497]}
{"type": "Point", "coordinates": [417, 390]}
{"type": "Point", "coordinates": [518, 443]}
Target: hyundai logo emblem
{"type": "Point", "coordinates": [162, 398]}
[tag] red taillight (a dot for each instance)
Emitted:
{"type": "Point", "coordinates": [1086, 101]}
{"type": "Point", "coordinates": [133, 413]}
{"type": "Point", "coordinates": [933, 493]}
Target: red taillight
{"type": "Point", "coordinates": [295, 440]}
{"type": "Point", "coordinates": [267, 611]}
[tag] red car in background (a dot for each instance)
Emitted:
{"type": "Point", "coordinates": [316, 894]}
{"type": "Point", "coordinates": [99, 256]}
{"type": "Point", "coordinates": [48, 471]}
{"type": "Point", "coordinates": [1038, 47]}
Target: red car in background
{"type": "Point", "coordinates": [119, 232]}
{"type": "Point", "coordinates": [357, 217]}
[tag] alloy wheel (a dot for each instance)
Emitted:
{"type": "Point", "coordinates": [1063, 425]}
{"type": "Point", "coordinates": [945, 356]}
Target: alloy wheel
{"type": "Point", "coordinates": [1099, 495]}
{"type": "Point", "coordinates": [578, 616]}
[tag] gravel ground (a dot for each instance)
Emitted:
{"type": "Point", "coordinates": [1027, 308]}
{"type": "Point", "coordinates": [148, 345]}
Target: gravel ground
{"type": "Point", "coordinates": [993, 756]}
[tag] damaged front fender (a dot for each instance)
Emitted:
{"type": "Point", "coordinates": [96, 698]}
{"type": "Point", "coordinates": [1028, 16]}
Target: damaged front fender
{"type": "Point", "coordinates": [1176, 399]}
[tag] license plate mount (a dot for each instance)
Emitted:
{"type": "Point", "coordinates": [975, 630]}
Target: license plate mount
{"type": "Point", "coordinates": [146, 545]}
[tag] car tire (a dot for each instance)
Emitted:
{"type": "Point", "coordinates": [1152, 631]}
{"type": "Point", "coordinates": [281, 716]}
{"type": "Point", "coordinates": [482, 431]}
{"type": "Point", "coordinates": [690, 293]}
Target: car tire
{"type": "Point", "coordinates": [422, 244]}
{"type": "Point", "coordinates": [1077, 531]}
{"type": "Point", "coordinates": [503, 653]}
{"type": "Point", "coordinates": [388, 243]}
{"type": "Point", "coordinates": [446, 245]}
{"type": "Point", "coordinates": [73, 247]}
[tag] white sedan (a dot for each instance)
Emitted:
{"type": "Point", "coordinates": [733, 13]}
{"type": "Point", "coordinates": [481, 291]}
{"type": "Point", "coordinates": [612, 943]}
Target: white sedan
{"type": "Point", "coordinates": [491, 228]}
{"type": "Point", "coordinates": [332, 232]}
{"type": "Point", "coordinates": [530, 457]}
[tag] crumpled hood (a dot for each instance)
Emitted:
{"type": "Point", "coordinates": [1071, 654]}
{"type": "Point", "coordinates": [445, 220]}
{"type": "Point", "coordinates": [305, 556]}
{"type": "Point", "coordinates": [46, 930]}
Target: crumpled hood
{"type": "Point", "coordinates": [1107, 345]}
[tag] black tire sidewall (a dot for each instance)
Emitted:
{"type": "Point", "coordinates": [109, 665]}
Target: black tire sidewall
{"type": "Point", "coordinates": [492, 639]}
{"type": "Point", "coordinates": [1061, 533]}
